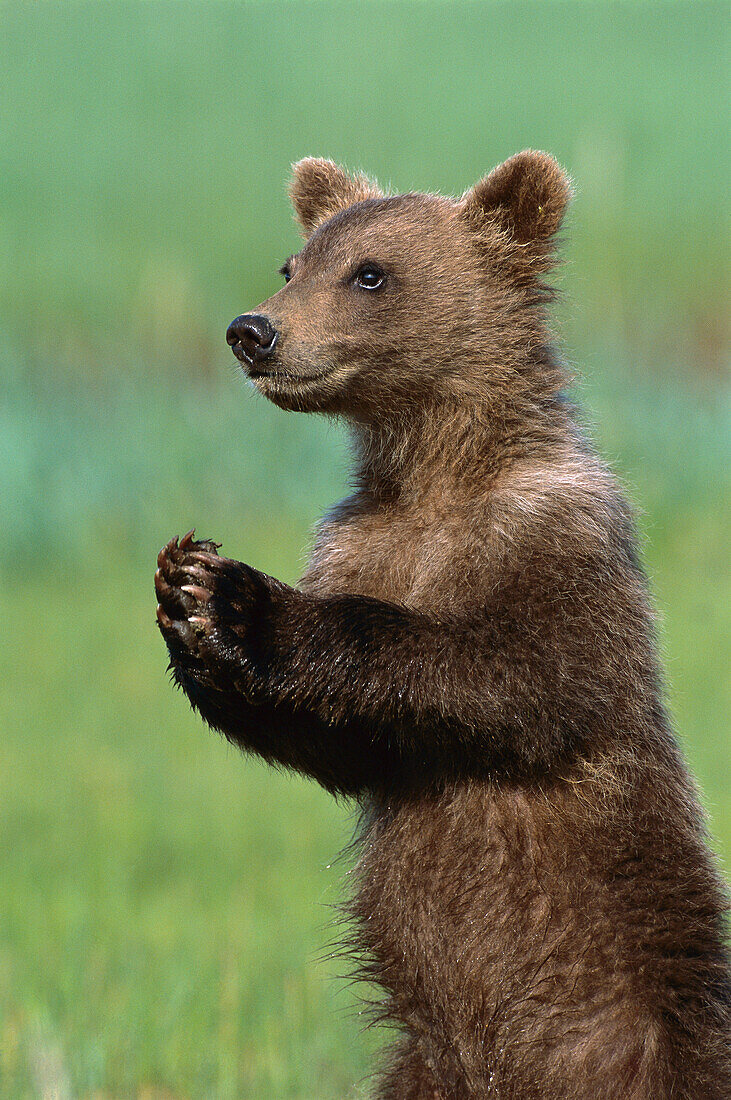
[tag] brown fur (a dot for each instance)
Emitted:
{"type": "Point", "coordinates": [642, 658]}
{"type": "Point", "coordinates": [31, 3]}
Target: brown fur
{"type": "Point", "coordinates": [471, 654]}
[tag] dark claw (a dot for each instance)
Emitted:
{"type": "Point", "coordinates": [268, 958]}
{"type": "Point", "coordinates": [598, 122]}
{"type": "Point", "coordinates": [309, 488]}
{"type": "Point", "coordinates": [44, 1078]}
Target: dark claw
{"type": "Point", "coordinates": [187, 540]}
{"type": "Point", "coordinates": [195, 559]}
{"type": "Point", "coordinates": [202, 595]}
{"type": "Point", "coordinates": [163, 620]}
{"type": "Point", "coordinates": [166, 551]}
{"type": "Point", "coordinates": [165, 592]}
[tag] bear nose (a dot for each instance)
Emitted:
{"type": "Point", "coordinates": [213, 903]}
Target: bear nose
{"type": "Point", "coordinates": [251, 337]}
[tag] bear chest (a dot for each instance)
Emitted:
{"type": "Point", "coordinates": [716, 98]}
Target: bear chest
{"type": "Point", "coordinates": [405, 560]}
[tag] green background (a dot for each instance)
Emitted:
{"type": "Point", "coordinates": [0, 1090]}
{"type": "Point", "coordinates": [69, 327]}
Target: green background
{"type": "Point", "coordinates": [164, 904]}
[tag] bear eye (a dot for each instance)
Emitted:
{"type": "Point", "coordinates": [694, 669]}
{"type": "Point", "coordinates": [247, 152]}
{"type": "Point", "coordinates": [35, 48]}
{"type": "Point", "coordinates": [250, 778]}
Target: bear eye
{"type": "Point", "coordinates": [285, 270]}
{"type": "Point", "coordinates": [370, 277]}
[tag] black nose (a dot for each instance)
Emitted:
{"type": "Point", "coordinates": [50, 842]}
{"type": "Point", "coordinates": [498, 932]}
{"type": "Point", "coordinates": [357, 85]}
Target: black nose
{"type": "Point", "coordinates": [251, 337]}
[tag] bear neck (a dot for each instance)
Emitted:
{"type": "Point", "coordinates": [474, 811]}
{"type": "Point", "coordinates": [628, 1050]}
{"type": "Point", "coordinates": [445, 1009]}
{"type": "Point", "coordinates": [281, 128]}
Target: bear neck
{"type": "Point", "coordinates": [460, 442]}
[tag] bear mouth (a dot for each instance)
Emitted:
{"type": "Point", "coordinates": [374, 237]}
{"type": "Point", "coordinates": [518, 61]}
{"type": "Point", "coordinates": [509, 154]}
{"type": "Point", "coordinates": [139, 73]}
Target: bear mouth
{"type": "Point", "coordinates": [282, 377]}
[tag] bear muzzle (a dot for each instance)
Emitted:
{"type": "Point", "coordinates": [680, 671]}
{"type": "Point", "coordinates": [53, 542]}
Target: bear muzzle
{"type": "Point", "coordinates": [252, 338]}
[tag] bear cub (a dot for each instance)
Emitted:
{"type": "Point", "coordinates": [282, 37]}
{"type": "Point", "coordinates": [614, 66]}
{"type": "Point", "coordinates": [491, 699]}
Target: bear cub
{"type": "Point", "coordinates": [471, 656]}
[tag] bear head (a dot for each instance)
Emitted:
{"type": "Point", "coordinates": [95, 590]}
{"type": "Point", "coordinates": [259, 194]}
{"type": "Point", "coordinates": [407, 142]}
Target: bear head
{"type": "Point", "coordinates": [398, 300]}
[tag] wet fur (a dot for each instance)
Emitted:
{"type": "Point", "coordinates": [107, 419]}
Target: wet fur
{"type": "Point", "coordinates": [471, 655]}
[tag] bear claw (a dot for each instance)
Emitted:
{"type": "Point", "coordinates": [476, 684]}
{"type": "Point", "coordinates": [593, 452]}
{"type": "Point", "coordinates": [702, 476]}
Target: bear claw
{"type": "Point", "coordinates": [162, 557]}
{"type": "Point", "coordinates": [205, 557]}
{"type": "Point", "coordinates": [202, 595]}
{"type": "Point", "coordinates": [163, 618]}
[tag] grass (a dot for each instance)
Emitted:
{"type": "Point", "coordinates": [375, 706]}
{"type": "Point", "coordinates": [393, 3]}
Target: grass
{"type": "Point", "coordinates": [146, 147]}
{"type": "Point", "coordinates": [165, 902]}
{"type": "Point", "coordinates": [166, 897]}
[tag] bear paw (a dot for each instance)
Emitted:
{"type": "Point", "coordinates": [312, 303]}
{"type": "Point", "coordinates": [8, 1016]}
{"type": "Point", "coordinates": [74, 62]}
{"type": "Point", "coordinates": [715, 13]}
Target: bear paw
{"type": "Point", "coordinates": [185, 581]}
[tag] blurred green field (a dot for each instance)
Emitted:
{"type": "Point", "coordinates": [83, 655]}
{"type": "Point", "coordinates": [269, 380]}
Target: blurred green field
{"type": "Point", "coordinates": [165, 902]}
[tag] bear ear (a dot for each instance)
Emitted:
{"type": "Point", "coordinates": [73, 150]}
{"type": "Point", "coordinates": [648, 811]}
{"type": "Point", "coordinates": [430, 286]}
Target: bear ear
{"type": "Point", "coordinates": [319, 189]}
{"type": "Point", "coordinates": [527, 193]}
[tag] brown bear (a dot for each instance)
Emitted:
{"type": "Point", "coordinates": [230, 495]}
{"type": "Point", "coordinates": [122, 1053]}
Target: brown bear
{"type": "Point", "coordinates": [471, 655]}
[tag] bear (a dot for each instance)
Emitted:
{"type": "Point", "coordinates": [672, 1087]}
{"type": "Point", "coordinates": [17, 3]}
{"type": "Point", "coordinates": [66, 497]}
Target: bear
{"type": "Point", "coordinates": [471, 657]}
